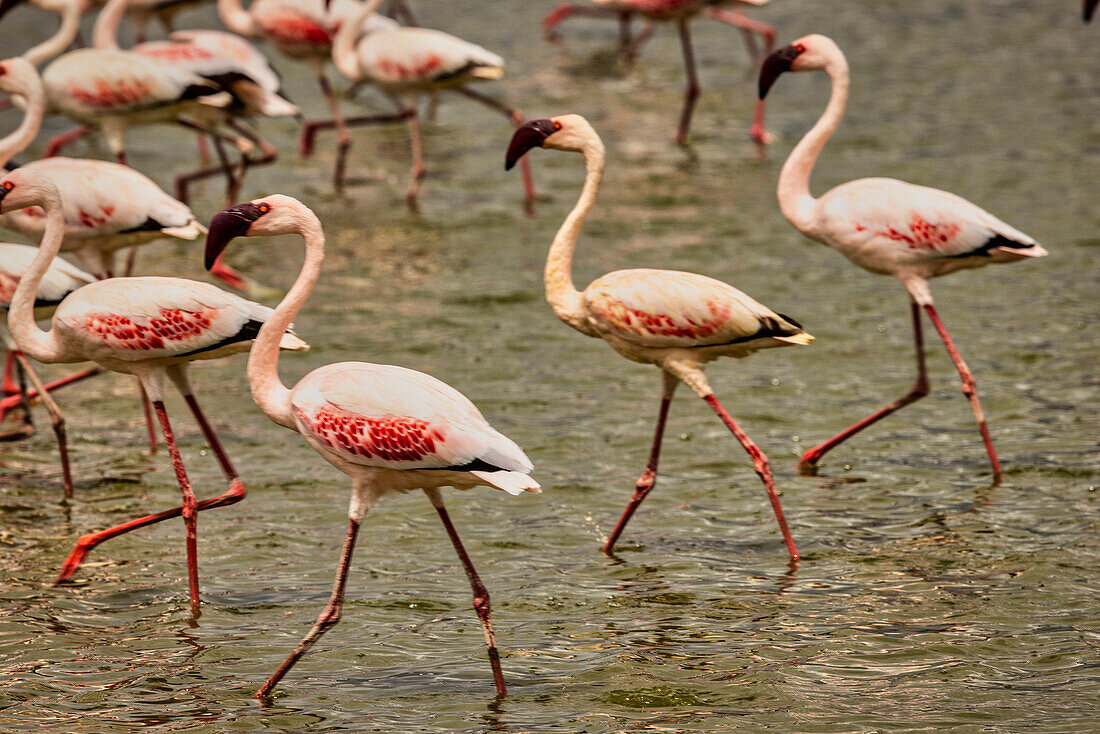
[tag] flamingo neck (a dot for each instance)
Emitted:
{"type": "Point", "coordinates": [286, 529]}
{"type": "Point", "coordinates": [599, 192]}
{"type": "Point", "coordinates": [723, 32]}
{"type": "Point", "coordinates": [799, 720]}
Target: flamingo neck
{"type": "Point", "coordinates": [33, 341]}
{"type": "Point", "coordinates": [58, 42]}
{"type": "Point", "coordinates": [105, 30]}
{"type": "Point", "coordinates": [268, 391]}
{"type": "Point", "coordinates": [34, 108]}
{"type": "Point", "coordinates": [563, 296]}
{"type": "Point", "coordinates": [237, 19]}
{"type": "Point", "coordinates": [795, 200]}
{"type": "Point", "coordinates": [343, 44]}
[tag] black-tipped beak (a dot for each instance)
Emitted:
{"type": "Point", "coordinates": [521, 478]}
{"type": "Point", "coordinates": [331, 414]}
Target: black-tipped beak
{"type": "Point", "coordinates": [227, 225]}
{"type": "Point", "coordinates": [777, 63]}
{"type": "Point", "coordinates": [6, 5]}
{"type": "Point", "coordinates": [527, 136]}
{"type": "Point", "coordinates": [1090, 8]}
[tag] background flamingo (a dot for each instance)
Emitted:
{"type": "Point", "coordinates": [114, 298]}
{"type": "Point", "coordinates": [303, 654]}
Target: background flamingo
{"type": "Point", "coordinates": [888, 227]}
{"type": "Point", "coordinates": [390, 429]}
{"type": "Point", "coordinates": [680, 12]}
{"type": "Point", "coordinates": [59, 280]}
{"type": "Point", "coordinates": [408, 62]}
{"type": "Point", "coordinates": [148, 327]}
{"type": "Point", "coordinates": [677, 321]}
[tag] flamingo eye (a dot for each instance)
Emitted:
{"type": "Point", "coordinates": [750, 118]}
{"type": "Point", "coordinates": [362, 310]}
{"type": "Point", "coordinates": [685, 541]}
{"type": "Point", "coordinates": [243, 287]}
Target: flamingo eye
{"type": "Point", "coordinates": [800, 48]}
{"type": "Point", "coordinates": [264, 208]}
{"type": "Point", "coordinates": [8, 186]}
{"type": "Point", "coordinates": [557, 126]}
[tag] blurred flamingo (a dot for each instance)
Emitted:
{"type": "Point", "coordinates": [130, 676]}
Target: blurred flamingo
{"type": "Point", "coordinates": [680, 12]}
{"type": "Point", "coordinates": [408, 62]}
{"type": "Point", "coordinates": [149, 327]}
{"type": "Point", "coordinates": [390, 429]}
{"type": "Point", "coordinates": [675, 320]}
{"type": "Point", "coordinates": [888, 227]}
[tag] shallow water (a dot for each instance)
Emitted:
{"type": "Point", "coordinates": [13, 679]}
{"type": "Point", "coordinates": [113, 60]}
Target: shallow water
{"type": "Point", "coordinates": [926, 599]}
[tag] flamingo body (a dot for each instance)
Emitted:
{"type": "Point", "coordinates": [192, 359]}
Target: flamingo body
{"type": "Point", "coordinates": [61, 279]}
{"type": "Point", "coordinates": [421, 59]}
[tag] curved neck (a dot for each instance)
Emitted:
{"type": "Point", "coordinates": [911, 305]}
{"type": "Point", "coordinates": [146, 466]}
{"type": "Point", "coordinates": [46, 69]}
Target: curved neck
{"type": "Point", "coordinates": [105, 30]}
{"type": "Point", "coordinates": [343, 44]}
{"type": "Point", "coordinates": [58, 42]}
{"type": "Point", "coordinates": [562, 295]}
{"type": "Point", "coordinates": [795, 199]}
{"type": "Point", "coordinates": [33, 341]}
{"type": "Point", "coordinates": [268, 391]}
{"type": "Point", "coordinates": [237, 19]}
{"type": "Point", "coordinates": [22, 136]}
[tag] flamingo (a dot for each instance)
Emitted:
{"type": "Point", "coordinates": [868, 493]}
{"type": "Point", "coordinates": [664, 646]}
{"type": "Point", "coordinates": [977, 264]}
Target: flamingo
{"type": "Point", "coordinates": [408, 62]}
{"type": "Point", "coordinates": [390, 429]}
{"type": "Point", "coordinates": [107, 206]}
{"type": "Point", "coordinates": [227, 60]}
{"type": "Point", "coordinates": [675, 320]}
{"type": "Point", "coordinates": [888, 227]}
{"type": "Point", "coordinates": [59, 280]}
{"type": "Point", "coordinates": [303, 30]}
{"type": "Point", "coordinates": [680, 12]}
{"type": "Point", "coordinates": [150, 327]}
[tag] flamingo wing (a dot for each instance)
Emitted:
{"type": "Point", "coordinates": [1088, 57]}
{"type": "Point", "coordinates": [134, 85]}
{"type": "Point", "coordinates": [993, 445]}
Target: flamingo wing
{"type": "Point", "coordinates": [918, 221]}
{"type": "Point", "coordinates": [391, 417]}
{"type": "Point", "coordinates": [673, 309]}
{"type": "Point", "coordinates": [411, 56]}
{"type": "Point", "coordinates": [61, 279]}
{"type": "Point", "coordinates": [102, 198]}
{"type": "Point", "coordinates": [135, 319]}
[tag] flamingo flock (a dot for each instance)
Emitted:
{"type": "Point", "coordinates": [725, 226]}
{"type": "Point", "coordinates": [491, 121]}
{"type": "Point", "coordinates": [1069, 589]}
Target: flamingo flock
{"type": "Point", "coordinates": [388, 428]}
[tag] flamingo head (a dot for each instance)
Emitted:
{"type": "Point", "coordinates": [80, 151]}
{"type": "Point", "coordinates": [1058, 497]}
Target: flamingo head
{"type": "Point", "coordinates": [809, 53]}
{"type": "Point", "coordinates": [20, 189]}
{"type": "Point", "coordinates": [565, 132]}
{"type": "Point", "coordinates": [16, 74]}
{"type": "Point", "coordinates": [269, 215]}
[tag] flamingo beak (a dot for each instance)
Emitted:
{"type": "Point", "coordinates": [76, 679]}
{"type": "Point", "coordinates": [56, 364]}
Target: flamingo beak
{"type": "Point", "coordinates": [6, 5]}
{"type": "Point", "coordinates": [1090, 8]}
{"type": "Point", "coordinates": [777, 63]}
{"type": "Point", "coordinates": [226, 226]}
{"type": "Point", "coordinates": [529, 135]}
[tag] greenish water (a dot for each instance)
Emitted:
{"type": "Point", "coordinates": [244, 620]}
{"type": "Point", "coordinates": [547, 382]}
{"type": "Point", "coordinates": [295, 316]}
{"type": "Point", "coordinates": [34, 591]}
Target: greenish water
{"type": "Point", "coordinates": [927, 599]}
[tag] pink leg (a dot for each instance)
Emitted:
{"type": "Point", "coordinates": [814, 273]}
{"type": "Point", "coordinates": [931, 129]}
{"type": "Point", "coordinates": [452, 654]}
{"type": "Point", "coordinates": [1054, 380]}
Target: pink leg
{"type": "Point", "coordinates": [26, 427]}
{"type": "Point", "coordinates": [807, 465]}
{"type": "Point", "coordinates": [211, 437]}
{"type": "Point", "coordinates": [970, 388]}
{"type": "Point", "coordinates": [9, 387]}
{"type": "Point", "coordinates": [517, 119]}
{"type": "Point", "coordinates": [691, 94]}
{"type": "Point", "coordinates": [558, 15]}
{"type": "Point", "coordinates": [189, 508]}
{"type": "Point", "coordinates": [760, 464]}
{"type": "Point", "coordinates": [56, 419]}
{"type": "Point", "coordinates": [418, 167]}
{"type": "Point", "coordinates": [649, 476]}
{"type": "Point", "coordinates": [148, 410]}
{"type": "Point", "coordinates": [60, 141]}
{"type": "Point", "coordinates": [749, 26]}
{"type": "Point", "coordinates": [632, 50]}
{"type": "Point", "coordinates": [481, 597]}
{"type": "Point", "coordinates": [326, 621]}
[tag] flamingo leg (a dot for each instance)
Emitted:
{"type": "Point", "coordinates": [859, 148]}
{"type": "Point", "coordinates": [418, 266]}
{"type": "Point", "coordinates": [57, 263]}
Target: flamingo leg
{"type": "Point", "coordinates": [9, 402]}
{"type": "Point", "coordinates": [481, 594]}
{"type": "Point", "coordinates": [566, 10]}
{"type": "Point", "coordinates": [649, 476]}
{"type": "Point", "coordinates": [189, 508]}
{"type": "Point", "coordinates": [632, 50]}
{"type": "Point", "coordinates": [56, 419]}
{"type": "Point", "coordinates": [328, 618]}
{"type": "Point", "coordinates": [147, 409]}
{"type": "Point", "coordinates": [748, 27]}
{"type": "Point", "coordinates": [204, 150]}
{"type": "Point", "coordinates": [60, 141]}
{"type": "Point", "coordinates": [9, 386]}
{"type": "Point", "coordinates": [179, 376]}
{"type": "Point", "coordinates": [26, 427]}
{"type": "Point", "coordinates": [763, 470]}
{"type": "Point", "coordinates": [418, 168]}
{"type": "Point", "coordinates": [517, 119]}
{"type": "Point", "coordinates": [232, 178]}
{"type": "Point", "coordinates": [969, 387]}
{"type": "Point", "coordinates": [184, 180]}
{"type": "Point", "coordinates": [691, 93]}
{"type": "Point", "coordinates": [131, 260]}
{"type": "Point", "coordinates": [807, 465]}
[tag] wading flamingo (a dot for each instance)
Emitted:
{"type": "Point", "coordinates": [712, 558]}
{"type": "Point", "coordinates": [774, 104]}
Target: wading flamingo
{"type": "Point", "coordinates": [303, 30]}
{"type": "Point", "coordinates": [390, 429]}
{"type": "Point", "coordinates": [675, 320]}
{"type": "Point", "coordinates": [59, 281]}
{"type": "Point", "coordinates": [888, 227]}
{"type": "Point", "coordinates": [232, 63]}
{"type": "Point", "coordinates": [148, 327]}
{"type": "Point", "coordinates": [680, 12]}
{"type": "Point", "coordinates": [408, 62]}
{"type": "Point", "coordinates": [107, 206]}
